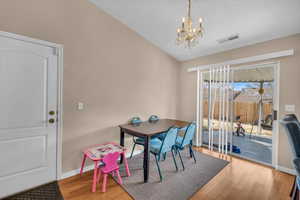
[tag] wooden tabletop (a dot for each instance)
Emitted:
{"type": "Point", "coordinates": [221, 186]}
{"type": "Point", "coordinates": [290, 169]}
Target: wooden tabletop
{"type": "Point", "coordinates": [148, 129]}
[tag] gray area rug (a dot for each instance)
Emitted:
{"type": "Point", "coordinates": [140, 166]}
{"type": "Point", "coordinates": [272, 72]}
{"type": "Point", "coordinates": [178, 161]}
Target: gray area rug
{"type": "Point", "coordinates": [45, 192]}
{"type": "Point", "coordinates": [179, 185]}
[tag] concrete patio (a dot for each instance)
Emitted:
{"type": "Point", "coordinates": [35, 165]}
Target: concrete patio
{"type": "Point", "coordinates": [256, 148]}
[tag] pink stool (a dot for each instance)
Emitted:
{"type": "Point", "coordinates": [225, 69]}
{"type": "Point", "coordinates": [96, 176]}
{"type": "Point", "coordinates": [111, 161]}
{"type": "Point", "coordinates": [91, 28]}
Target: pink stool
{"type": "Point", "coordinates": [97, 152]}
{"type": "Point", "coordinates": [110, 167]}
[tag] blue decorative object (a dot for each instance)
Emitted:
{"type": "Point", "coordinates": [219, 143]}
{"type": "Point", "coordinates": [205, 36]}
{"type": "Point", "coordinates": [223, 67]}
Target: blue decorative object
{"type": "Point", "coordinates": [153, 118]}
{"type": "Point", "coordinates": [135, 121]}
{"type": "Point", "coordinates": [235, 149]}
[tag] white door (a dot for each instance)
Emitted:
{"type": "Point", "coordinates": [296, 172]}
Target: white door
{"type": "Point", "coordinates": [28, 106]}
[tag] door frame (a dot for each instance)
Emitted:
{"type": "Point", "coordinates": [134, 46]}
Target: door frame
{"type": "Point", "coordinates": [58, 51]}
{"type": "Point", "coordinates": [276, 96]}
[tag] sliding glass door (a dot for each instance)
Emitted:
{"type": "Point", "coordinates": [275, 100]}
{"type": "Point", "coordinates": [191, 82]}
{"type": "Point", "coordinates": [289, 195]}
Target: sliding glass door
{"type": "Point", "coordinates": [236, 111]}
{"type": "Point", "coordinates": [216, 103]}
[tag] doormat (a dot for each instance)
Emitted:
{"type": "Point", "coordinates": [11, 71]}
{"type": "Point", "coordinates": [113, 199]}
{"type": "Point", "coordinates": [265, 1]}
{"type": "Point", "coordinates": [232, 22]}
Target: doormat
{"type": "Point", "coordinates": [49, 191]}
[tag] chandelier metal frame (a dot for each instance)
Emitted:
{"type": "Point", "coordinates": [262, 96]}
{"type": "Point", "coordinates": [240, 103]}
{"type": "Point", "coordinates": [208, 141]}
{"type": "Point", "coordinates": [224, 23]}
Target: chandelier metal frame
{"type": "Point", "coordinates": [186, 34]}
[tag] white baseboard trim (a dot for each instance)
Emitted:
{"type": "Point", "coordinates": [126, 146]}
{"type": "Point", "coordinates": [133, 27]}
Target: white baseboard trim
{"type": "Point", "coordinates": [76, 171]}
{"type": "Point", "coordinates": [286, 170]}
{"type": "Point", "coordinates": [91, 167]}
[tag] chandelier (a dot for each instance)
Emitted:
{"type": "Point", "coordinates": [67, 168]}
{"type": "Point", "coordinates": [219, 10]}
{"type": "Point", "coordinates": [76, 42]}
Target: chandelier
{"type": "Point", "coordinates": [186, 34]}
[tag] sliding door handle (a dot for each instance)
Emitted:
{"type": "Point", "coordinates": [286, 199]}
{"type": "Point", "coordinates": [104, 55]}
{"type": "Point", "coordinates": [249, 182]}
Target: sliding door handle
{"type": "Point", "coordinates": [275, 114]}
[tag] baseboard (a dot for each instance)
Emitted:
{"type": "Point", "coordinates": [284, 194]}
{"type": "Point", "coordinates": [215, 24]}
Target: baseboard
{"type": "Point", "coordinates": [90, 167]}
{"type": "Point", "coordinates": [76, 171]}
{"type": "Point", "coordinates": [286, 170]}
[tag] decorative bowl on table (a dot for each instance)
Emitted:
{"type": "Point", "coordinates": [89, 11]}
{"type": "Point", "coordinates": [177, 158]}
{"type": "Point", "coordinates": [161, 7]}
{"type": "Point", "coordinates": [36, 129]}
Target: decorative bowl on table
{"type": "Point", "coordinates": [153, 119]}
{"type": "Point", "coordinates": [135, 121]}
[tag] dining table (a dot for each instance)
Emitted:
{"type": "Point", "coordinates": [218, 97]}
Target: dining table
{"type": "Point", "coordinates": [147, 130]}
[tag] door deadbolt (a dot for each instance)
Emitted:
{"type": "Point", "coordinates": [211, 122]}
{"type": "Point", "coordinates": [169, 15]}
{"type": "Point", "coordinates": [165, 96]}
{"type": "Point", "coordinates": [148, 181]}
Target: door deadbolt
{"type": "Point", "coordinates": [52, 112]}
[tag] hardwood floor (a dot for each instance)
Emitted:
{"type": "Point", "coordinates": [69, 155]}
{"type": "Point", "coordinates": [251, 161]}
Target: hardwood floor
{"type": "Point", "coordinates": [240, 180]}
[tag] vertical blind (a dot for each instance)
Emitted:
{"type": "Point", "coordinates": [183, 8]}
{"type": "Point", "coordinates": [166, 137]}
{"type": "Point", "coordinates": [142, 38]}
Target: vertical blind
{"type": "Point", "coordinates": [220, 91]}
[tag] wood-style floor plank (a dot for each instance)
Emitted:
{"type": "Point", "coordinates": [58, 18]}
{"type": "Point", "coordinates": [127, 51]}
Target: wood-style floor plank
{"type": "Point", "coordinates": [240, 180]}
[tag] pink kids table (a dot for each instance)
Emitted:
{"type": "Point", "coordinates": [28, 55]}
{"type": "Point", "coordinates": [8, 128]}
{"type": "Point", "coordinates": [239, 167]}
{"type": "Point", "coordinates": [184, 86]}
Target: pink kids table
{"type": "Point", "coordinates": [97, 152]}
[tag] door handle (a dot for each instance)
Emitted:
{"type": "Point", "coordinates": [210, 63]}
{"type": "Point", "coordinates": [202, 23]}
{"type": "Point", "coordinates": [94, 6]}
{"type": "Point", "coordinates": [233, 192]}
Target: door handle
{"type": "Point", "coordinates": [274, 114]}
{"type": "Point", "coordinates": [51, 112]}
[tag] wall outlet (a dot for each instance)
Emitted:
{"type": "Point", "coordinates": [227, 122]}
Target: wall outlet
{"type": "Point", "coordinates": [80, 106]}
{"type": "Point", "coordinates": [289, 108]}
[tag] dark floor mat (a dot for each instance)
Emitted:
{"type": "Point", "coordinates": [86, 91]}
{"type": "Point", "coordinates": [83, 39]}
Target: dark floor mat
{"type": "Point", "coordinates": [45, 192]}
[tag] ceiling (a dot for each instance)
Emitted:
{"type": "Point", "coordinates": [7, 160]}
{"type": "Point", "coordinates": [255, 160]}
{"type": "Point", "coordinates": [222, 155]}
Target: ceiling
{"type": "Point", "coordinates": [254, 20]}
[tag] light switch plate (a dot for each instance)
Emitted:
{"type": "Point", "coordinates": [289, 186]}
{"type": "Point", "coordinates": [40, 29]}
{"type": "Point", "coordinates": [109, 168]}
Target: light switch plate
{"type": "Point", "coordinates": [80, 106]}
{"type": "Point", "coordinates": [289, 108]}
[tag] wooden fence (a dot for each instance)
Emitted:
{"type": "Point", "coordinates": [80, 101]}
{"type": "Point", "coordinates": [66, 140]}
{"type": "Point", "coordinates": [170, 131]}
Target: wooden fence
{"type": "Point", "coordinates": [246, 110]}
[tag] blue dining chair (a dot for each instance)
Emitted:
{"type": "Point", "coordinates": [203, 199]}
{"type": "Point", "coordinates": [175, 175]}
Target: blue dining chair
{"type": "Point", "coordinates": [186, 140]}
{"type": "Point", "coordinates": [161, 147]}
{"type": "Point", "coordinates": [141, 141]}
{"type": "Point", "coordinates": [292, 127]}
{"type": "Point", "coordinates": [161, 136]}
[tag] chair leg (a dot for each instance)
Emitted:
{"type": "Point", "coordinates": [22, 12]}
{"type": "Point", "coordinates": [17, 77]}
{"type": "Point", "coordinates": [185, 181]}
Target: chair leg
{"type": "Point", "coordinates": [296, 194]}
{"type": "Point", "coordinates": [95, 176]}
{"type": "Point", "coordinates": [178, 151]}
{"type": "Point", "coordinates": [156, 160]}
{"type": "Point", "coordinates": [165, 155]}
{"type": "Point", "coordinates": [132, 150]}
{"type": "Point", "coordinates": [293, 188]}
{"type": "Point", "coordinates": [104, 183]}
{"type": "Point", "coordinates": [192, 152]}
{"type": "Point", "coordinates": [99, 175]}
{"type": "Point", "coordinates": [126, 164]}
{"type": "Point", "coordinates": [174, 159]}
{"type": "Point", "coordinates": [119, 177]}
{"type": "Point", "coordinates": [82, 164]}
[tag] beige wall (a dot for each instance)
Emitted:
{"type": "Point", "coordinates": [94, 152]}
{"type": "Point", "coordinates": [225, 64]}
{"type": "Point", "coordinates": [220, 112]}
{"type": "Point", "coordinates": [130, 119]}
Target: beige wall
{"type": "Point", "coordinates": [110, 68]}
{"type": "Point", "coordinates": [118, 74]}
{"type": "Point", "coordinates": [289, 82]}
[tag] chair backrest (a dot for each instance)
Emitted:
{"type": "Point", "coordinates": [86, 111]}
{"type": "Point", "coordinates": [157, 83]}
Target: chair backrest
{"type": "Point", "coordinates": [189, 134]}
{"type": "Point", "coordinates": [291, 117]}
{"type": "Point", "coordinates": [110, 161]}
{"type": "Point", "coordinates": [169, 140]}
{"type": "Point", "coordinates": [292, 127]}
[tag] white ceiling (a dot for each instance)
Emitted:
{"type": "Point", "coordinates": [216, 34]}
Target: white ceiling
{"type": "Point", "coordinates": [254, 20]}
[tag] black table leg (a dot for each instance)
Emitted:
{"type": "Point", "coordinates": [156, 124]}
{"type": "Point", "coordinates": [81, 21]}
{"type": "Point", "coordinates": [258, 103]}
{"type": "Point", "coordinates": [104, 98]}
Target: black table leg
{"type": "Point", "coordinates": [122, 136]}
{"type": "Point", "coordinates": [146, 158]}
